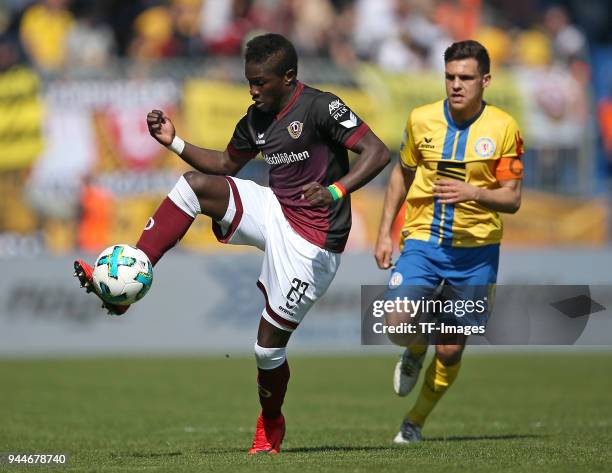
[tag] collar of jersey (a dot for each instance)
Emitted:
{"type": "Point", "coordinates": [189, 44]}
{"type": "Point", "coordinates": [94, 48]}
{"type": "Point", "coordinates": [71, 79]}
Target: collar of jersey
{"type": "Point", "coordinates": [465, 124]}
{"type": "Point", "coordinates": [296, 93]}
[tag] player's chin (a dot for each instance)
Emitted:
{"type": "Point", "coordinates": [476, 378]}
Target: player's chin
{"type": "Point", "coordinates": [262, 106]}
{"type": "Point", "coordinates": [458, 103]}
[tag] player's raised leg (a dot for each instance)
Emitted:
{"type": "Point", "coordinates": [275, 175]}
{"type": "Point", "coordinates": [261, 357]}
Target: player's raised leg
{"type": "Point", "coordinates": [206, 191]}
{"type": "Point", "coordinates": [194, 193]}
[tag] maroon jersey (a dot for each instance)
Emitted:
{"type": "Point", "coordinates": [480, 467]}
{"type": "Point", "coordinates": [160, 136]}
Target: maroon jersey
{"type": "Point", "coordinates": [305, 142]}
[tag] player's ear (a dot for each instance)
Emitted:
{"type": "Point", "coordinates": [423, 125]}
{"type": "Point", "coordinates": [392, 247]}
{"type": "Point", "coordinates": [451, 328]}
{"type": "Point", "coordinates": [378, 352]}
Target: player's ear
{"type": "Point", "coordinates": [486, 80]}
{"type": "Point", "coordinates": [290, 76]}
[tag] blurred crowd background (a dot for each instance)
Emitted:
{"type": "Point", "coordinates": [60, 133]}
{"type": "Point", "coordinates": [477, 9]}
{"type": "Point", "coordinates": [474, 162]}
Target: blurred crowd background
{"type": "Point", "coordinates": [398, 35]}
{"type": "Point", "coordinates": [78, 170]}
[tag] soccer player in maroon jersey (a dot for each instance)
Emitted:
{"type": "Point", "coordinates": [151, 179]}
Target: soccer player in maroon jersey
{"type": "Point", "coordinates": [301, 222]}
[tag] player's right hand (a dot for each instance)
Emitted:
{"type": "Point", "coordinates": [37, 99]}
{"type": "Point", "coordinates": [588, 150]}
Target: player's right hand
{"type": "Point", "coordinates": [383, 251]}
{"type": "Point", "coordinates": [160, 127]}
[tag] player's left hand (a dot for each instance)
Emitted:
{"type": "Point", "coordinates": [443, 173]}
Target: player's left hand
{"type": "Point", "coordinates": [316, 195]}
{"type": "Point", "coordinates": [452, 192]}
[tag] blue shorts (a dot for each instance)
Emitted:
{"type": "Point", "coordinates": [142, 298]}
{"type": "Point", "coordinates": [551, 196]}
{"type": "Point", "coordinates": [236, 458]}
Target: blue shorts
{"type": "Point", "coordinates": [467, 274]}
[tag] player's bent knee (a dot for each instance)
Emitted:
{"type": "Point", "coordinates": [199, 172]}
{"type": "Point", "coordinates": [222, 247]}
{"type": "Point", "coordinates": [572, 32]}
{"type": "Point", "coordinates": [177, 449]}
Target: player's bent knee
{"type": "Point", "coordinates": [269, 358]}
{"type": "Point", "coordinates": [184, 197]}
{"type": "Point", "coordinates": [449, 354]}
{"type": "Point", "coordinates": [197, 181]}
{"type": "Point", "coordinates": [397, 331]}
{"type": "Point", "coordinates": [212, 193]}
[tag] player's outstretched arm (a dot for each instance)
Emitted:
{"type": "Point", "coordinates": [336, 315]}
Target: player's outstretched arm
{"type": "Point", "coordinates": [398, 186]}
{"type": "Point", "coordinates": [204, 160]}
{"type": "Point", "coordinates": [374, 156]}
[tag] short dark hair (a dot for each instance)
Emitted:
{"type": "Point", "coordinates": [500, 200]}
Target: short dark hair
{"type": "Point", "coordinates": [263, 47]}
{"type": "Point", "coordinates": [469, 49]}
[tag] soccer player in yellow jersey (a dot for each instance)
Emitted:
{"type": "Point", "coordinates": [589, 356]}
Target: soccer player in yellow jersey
{"type": "Point", "coordinates": [459, 168]}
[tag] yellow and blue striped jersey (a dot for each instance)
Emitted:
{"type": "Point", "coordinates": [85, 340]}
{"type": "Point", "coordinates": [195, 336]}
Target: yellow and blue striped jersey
{"type": "Point", "coordinates": [436, 147]}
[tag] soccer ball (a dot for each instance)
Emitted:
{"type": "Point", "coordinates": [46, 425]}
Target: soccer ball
{"type": "Point", "coordinates": [122, 274]}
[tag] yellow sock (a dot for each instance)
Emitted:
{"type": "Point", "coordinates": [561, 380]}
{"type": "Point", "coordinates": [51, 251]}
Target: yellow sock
{"type": "Point", "coordinates": [438, 379]}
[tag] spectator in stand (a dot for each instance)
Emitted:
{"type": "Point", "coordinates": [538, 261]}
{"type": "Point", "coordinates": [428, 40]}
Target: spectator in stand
{"type": "Point", "coordinates": [274, 15]}
{"type": "Point", "coordinates": [214, 19]}
{"type": "Point", "coordinates": [415, 41]}
{"type": "Point", "coordinates": [227, 33]}
{"type": "Point", "coordinates": [569, 44]}
{"type": "Point", "coordinates": [186, 20]}
{"type": "Point", "coordinates": [432, 38]}
{"type": "Point", "coordinates": [449, 16]}
{"type": "Point", "coordinates": [43, 30]}
{"type": "Point", "coordinates": [399, 51]}
{"type": "Point", "coordinates": [313, 22]}
{"type": "Point", "coordinates": [372, 23]}
{"type": "Point", "coordinates": [493, 34]}
{"type": "Point", "coordinates": [341, 49]}
{"type": "Point", "coordinates": [153, 34]}
{"type": "Point", "coordinates": [95, 216]}
{"type": "Point", "coordinates": [532, 48]}
{"type": "Point", "coordinates": [90, 42]}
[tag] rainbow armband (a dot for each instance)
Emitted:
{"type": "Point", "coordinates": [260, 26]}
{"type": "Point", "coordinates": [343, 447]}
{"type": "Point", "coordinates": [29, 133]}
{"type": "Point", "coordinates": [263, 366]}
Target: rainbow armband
{"type": "Point", "coordinates": [337, 191]}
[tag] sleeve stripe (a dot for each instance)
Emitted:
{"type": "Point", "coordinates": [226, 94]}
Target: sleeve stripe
{"type": "Point", "coordinates": [241, 154]}
{"type": "Point", "coordinates": [356, 135]}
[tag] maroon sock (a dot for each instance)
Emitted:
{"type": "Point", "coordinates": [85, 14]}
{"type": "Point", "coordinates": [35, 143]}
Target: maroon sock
{"type": "Point", "coordinates": [272, 389]}
{"type": "Point", "coordinates": [164, 230]}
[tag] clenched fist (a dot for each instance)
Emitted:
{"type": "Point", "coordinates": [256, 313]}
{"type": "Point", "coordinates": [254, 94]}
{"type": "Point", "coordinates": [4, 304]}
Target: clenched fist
{"type": "Point", "coordinates": [316, 194]}
{"type": "Point", "coordinates": [160, 127]}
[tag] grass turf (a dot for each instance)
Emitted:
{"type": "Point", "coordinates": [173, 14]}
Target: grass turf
{"type": "Point", "coordinates": [506, 412]}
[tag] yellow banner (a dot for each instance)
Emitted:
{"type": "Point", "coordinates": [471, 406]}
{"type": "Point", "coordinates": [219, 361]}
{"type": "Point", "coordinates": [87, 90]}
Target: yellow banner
{"type": "Point", "coordinates": [383, 100]}
{"type": "Point", "coordinates": [211, 109]}
{"type": "Point", "coordinates": [20, 118]}
{"type": "Point", "coordinates": [540, 223]}
{"type": "Point", "coordinates": [392, 96]}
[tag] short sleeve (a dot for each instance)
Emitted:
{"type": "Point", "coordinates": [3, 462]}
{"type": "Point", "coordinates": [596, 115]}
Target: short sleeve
{"type": "Point", "coordinates": [335, 120]}
{"type": "Point", "coordinates": [408, 150]}
{"type": "Point", "coordinates": [240, 145]}
{"type": "Point", "coordinates": [513, 141]}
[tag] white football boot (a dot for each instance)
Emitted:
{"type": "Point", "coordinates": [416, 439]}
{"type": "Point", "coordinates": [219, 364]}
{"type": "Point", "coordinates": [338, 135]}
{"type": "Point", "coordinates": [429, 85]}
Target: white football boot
{"type": "Point", "coordinates": [409, 433]}
{"type": "Point", "coordinates": [406, 372]}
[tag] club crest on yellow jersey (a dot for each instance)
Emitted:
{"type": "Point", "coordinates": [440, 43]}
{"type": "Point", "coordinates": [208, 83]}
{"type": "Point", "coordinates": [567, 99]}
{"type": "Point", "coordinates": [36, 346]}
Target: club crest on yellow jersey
{"type": "Point", "coordinates": [484, 147]}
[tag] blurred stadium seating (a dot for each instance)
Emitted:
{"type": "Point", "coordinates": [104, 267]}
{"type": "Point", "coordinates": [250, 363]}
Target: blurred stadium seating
{"type": "Point", "coordinates": [75, 92]}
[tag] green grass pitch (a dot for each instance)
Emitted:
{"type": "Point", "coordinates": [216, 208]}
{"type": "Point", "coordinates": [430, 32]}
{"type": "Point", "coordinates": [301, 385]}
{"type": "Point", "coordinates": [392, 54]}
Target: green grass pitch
{"type": "Point", "coordinates": [544, 412]}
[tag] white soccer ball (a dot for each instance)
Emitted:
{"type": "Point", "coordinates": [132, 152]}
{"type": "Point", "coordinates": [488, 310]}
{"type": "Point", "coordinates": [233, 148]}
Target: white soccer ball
{"type": "Point", "coordinates": [122, 274]}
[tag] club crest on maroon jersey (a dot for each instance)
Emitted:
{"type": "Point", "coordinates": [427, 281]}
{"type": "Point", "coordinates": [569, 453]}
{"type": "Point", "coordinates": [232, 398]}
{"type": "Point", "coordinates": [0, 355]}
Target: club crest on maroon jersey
{"type": "Point", "coordinates": [295, 129]}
